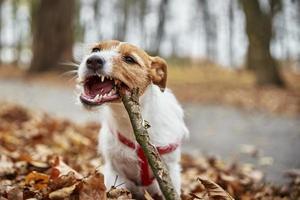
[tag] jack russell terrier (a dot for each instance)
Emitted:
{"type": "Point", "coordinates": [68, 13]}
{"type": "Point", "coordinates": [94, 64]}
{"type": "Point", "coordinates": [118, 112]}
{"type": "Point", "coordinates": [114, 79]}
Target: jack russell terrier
{"type": "Point", "coordinates": [111, 65]}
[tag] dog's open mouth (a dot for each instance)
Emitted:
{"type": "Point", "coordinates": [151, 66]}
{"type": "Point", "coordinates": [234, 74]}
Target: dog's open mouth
{"type": "Point", "coordinates": [100, 89]}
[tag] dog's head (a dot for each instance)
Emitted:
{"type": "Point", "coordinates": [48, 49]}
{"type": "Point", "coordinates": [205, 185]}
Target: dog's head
{"type": "Point", "coordinates": [113, 65]}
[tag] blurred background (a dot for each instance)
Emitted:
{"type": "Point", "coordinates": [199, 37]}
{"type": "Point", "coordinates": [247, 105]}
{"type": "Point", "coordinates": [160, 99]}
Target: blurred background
{"type": "Point", "coordinates": [233, 64]}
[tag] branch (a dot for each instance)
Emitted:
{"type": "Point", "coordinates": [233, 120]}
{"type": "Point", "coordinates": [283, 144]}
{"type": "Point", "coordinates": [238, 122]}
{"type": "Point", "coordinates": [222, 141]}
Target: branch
{"type": "Point", "coordinates": [140, 126]}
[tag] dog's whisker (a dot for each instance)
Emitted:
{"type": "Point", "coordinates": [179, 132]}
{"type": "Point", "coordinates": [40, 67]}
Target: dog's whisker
{"type": "Point", "coordinates": [71, 64]}
{"type": "Point", "coordinates": [73, 78]}
{"type": "Point", "coordinates": [71, 72]}
{"type": "Point", "coordinates": [116, 179]}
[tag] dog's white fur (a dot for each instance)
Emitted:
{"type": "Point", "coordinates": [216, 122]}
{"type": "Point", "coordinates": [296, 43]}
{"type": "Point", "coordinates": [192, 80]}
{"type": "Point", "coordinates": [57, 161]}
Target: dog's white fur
{"type": "Point", "coordinates": [165, 115]}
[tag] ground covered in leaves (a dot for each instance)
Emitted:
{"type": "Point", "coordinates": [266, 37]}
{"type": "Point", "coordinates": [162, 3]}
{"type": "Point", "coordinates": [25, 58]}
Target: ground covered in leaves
{"type": "Point", "coordinates": [42, 157]}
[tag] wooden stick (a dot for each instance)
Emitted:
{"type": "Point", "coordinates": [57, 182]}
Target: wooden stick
{"type": "Point", "coordinates": [140, 126]}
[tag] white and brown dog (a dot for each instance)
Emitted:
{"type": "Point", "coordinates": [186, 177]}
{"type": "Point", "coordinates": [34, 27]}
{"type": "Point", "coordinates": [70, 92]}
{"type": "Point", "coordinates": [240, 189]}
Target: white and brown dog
{"type": "Point", "coordinates": [113, 63]}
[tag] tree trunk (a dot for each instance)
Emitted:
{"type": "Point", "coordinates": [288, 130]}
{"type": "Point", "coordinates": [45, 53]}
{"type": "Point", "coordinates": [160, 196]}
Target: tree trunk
{"type": "Point", "coordinates": [259, 32]}
{"type": "Point", "coordinates": [231, 30]}
{"type": "Point", "coordinates": [143, 4]}
{"type": "Point", "coordinates": [1, 3]}
{"type": "Point", "coordinates": [16, 32]}
{"type": "Point", "coordinates": [123, 8]}
{"type": "Point", "coordinates": [52, 34]}
{"type": "Point", "coordinates": [97, 17]}
{"type": "Point", "coordinates": [209, 26]}
{"type": "Point", "coordinates": [161, 25]}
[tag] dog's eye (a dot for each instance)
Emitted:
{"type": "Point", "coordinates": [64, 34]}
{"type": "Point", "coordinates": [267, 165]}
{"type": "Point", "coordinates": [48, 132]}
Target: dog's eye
{"type": "Point", "coordinates": [95, 49]}
{"type": "Point", "coordinates": [129, 60]}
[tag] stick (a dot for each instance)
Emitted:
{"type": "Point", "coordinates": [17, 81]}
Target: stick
{"type": "Point", "coordinates": [140, 126]}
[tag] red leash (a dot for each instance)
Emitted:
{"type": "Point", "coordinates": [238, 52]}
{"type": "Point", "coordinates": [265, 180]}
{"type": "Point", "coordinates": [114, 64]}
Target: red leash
{"type": "Point", "coordinates": [144, 165]}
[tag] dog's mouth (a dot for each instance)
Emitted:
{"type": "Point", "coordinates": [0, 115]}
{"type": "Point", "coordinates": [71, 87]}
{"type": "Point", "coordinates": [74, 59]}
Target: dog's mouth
{"type": "Point", "coordinates": [99, 89]}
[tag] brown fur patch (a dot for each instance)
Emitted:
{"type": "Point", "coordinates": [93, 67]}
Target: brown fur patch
{"type": "Point", "coordinates": [139, 74]}
{"type": "Point", "coordinates": [108, 44]}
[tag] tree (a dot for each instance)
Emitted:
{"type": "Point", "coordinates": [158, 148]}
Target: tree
{"type": "Point", "coordinates": [231, 30]}
{"type": "Point", "coordinates": [143, 4]}
{"type": "Point", "coordinates": [259, 30]}
{"type": "Point", "coordinates": [1, 4]}
{"type": "Point", "coordinates": [123, 8]}
{"type": "Point", "coordinates": [18, 34]}
{"type": "Point", "coordinates": [209, 26]}
{"type": "Point", "coordinates": [160, 33]}
{"type": "Point", "coordinates": [52, 24]}
{"type": "Point", "coordinates": [97, 5]}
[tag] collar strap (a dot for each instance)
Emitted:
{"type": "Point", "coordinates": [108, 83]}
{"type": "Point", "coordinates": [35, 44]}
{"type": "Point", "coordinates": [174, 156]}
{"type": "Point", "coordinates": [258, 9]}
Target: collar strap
{"type": "Point", "coordinates": [146, 180]}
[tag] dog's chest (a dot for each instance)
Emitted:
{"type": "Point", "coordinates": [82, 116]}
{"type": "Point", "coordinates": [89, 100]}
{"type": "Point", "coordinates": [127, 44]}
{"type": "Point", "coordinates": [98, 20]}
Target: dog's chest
{"type": "Point", "coordinates": [125, 161]}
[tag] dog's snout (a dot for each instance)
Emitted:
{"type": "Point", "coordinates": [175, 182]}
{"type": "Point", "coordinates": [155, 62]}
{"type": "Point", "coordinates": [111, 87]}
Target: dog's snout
{"type": "Point", "coordinates": [94, 63]}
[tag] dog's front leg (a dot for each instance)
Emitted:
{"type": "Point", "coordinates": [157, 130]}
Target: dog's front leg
{"type": "Point", "coordinates": [174, 170]}
{"type": "Point", "coordinates": [111, 177]}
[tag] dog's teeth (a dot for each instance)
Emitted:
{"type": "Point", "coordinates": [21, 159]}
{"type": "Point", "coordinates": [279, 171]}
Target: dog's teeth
{"type": "Point", "coordinates": [110, 78]}
{"type": "Point", "coordinates": [110, 93]}
{"type": "Point", "coordinates": [100, 97]}
{"type": "Point", "coordinates": [96, 97]}
{"type": "Point", "coordinates": [116, 82]}
{"type": "Point", "coordinates": [102, 78]}
{"type": "Point", "coordinates": [105, 95]}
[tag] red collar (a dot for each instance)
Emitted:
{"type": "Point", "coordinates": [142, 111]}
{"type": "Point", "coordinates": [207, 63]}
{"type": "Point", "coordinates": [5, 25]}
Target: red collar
{"type": "Point", "coordinates": [146, 180]}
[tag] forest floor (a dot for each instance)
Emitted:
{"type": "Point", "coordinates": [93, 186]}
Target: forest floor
{"type": "Point", "coordinates": [212, 98]}
{"type": "Point", "coordinates": [40, 159]}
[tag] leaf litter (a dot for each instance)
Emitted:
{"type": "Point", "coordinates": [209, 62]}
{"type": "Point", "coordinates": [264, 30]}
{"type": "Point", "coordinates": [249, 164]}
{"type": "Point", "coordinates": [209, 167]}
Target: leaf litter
{"type": "Point", "coordinates": [42, 157]}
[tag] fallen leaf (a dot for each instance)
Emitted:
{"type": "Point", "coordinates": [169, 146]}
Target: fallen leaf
{"type": "Point", "coordinates": [6, 166]}
{"type": "Point", "coordinates": [60, 168]}
{"type": "Point", "coordinates": [293, 173]}
{"type": "Point", "coordinates": [38, 180]}
{"type": "Point", "coordinates": [62, 193]}
{"type": "Point", "coordinates": [118, 193]}
{"type": "Point", "coordinates": [15, 194]}
{"type": "Point", "coordinates": [93, 188]}
{"type": "Point", "coordinates": [63, 181]}
{"type": "Point", "coordinates": [214, 190]}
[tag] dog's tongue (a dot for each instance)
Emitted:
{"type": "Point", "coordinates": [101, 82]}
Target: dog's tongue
{"type": "Point", "coordinates": [94, 86]}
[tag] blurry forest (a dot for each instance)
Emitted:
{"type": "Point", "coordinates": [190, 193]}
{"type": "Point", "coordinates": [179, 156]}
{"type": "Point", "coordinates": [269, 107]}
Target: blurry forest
{"type": "Point", "coordinates": [254, 35]}
{"type": "Point", "coordinates": [234, 66]}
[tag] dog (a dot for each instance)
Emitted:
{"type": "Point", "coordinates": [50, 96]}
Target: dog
{"type": "Point", "coordinates": [111, 65]}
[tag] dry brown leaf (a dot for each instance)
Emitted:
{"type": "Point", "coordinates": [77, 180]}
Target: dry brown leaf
{"type": "Point", "coordinates": [214, 190]}
{"type": "Point", "coordinates": [118, 193]}
{"type": "Point", "coordinates": [15, 194]}
{"type": "Point", "coordinates": [63, 193]}
{"type": "Point", "coordinates": [63, 181]}
{"type": "Point", "coordinates": [93, 188]}
{"type": "Point", "coordinates": [29, 144]}
{"type": "Point", "coordinates": [59, 168]}
{"type": "Point", "coordinates": [38, 180]}
{"type": "Point", "coordinates": [294, 173]}
{"type": "Point", "coordinates": [6, 166]}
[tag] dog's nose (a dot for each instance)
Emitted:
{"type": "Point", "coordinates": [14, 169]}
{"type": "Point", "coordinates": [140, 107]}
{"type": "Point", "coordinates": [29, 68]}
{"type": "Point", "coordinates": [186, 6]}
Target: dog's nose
{"type": "Point", "coordinates": [94, 63]}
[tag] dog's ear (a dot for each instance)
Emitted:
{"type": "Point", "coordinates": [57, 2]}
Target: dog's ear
{"type": "Point", "coordinates": [159, 72]}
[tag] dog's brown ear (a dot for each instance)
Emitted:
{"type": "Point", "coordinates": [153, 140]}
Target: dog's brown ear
{"type": "Point", "coordinates": [159, 72]}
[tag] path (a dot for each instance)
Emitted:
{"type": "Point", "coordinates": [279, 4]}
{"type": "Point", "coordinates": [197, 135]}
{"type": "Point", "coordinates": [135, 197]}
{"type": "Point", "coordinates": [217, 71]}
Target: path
{"type": "Point", "coordinates": [215, 130]}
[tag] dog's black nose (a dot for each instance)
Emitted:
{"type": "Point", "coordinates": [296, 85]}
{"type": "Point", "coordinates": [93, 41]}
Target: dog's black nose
{"type": "Point", "coordinates": [94, 63]}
